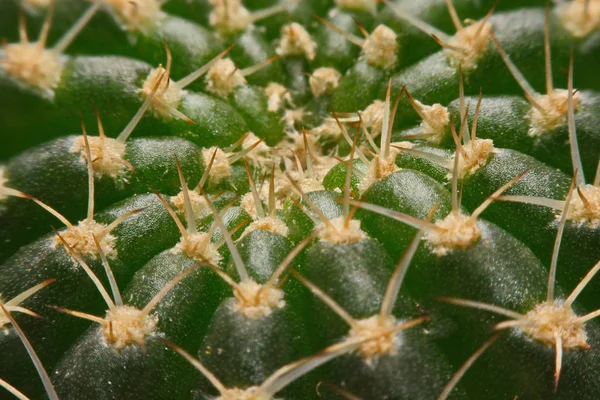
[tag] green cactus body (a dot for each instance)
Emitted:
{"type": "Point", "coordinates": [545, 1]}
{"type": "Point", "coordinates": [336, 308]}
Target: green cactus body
{"type": "Point", "coordinates": [299, 199]}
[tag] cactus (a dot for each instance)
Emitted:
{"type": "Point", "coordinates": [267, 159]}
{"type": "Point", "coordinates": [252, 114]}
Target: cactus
{"type": "Point", "coordinates": [299, 199]}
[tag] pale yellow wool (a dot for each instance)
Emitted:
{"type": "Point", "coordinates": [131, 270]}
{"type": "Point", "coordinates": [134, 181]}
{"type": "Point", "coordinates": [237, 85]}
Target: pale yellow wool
{"type": "Point", "coordinates": [136, 15]}
{"type": "Point", "coordinates": [472, 45]}
{"type": "Point", "coordinates": [33, 65]}
{"type": "Point", "coordinates": [277, 96]}
{"type": "Point", "coordinates": [167, 96]}
{"type": "Point", "coordinates": [81, 239]}
{"type": "Point", "coordinates": [199, 247]}
{"type": "Point", "coordinates": [126, 325]}
{"type": "Point", "coordinates": [324, 80]}
{"type": "Point", "coordinates": [373, 117]}
{"type": "Point", "coordinates": [381, 47]}
{"type": "Point", "coordinates": [555, 106]}
{"type": "Point", "coordinates": [328, 129]}
{"type": "Point", "coordinates": [435, 122]}
{"type": "Point", "coordinates": [250, 140]}
{"type": "Point", "coordinates": [261, 156]}
{"type": "Point", "coordinates": [386, 342]}
{"type": "Point", "coordinates": [552, 320]}
{"type": "Point", "coordinates": [199, 204]}
{"type": "Point", "coordinates": [271, 224]}
{"type": "Point", "coordinates": [309, 185]}
{"type": "Point", "coordinates": [220, 168]}
{"type": "Point", "coordinates": [229, 16]}
{"type": "Point", "coordinates": [283, 188]}
{"type": "Point", "coordinates": [578, 20]}
{"type": "Point", "coordinates": [337, 233]}
{"type": "Point", "coordinates": [476, 155]}
{"type": "Point", "coordinates": [291, 117]}
{"type": "Point", "coordinates": [223, 77]}
{"type": "Point", "coordinates": [255, 303]}
{"type": "Point", "coordinates": [380, 168]}
{"type": "Point", "coordinates": [294, 140]}
{"type": "Point", "coordinates": [296, 41]}
{"type": "Point", "coordinates": [458, 231]}
{"type": "Point", "coordinates": [587, 212]}
{"type": "Point", "coordinates": [107, 155]}
{"type": "Point", "coordinates": [249, 205]}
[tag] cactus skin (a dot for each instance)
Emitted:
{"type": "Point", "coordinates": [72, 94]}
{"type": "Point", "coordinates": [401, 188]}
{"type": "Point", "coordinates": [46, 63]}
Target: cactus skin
{"type": "Point", "coordinates": [308, 224]}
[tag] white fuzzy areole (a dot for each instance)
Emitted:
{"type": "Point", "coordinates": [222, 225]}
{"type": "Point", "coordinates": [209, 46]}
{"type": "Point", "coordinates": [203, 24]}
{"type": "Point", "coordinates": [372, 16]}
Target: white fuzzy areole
{"type": "Point", "coordinates": [136, 15]}
{"type": "Point", "coordinates": [199, 246]}
{"type": "Point", "coordinates": [324, 80]}
{"type": "Point", "coordinates": [296, 41]}
{"type": "Point", "coordinates": [220, 168]}
{"type": "Point", "coordinates": [255, 303]}
{"type": "Point", "coordinates": [358, 5]}
{"type": "Point", "coordinates": [552, 319]}
{"type": "Point", "coordinates": [223, 77]}
{"type": "Point", "coordinates": [293, 116]}
{"type": "Point", "coordinates": [386, 343]}
{"type": "Point", "coordinates": [576, 19]}
{"type": "Point", "coordinates": [435, 122]}
{"type": "Point", "coordinates": [328, 129]}
{"type": "Point", "coordinates": [252, 393]}
{"type": "Point", "coordinates": [373, 117]}
{"type": "Point", "coordinates": [472, 45]}
{"type": "Point", "coordinates": [271, 224]}
{"type": "Point", "coordinates": [380, 168]}
{"type": "Point", "coordinates": [340, 234]}
{"type": "Point", "coordinates": [261, 156]}
{"type": "Point", "coordinates": [249, 205]}
{"type": "Point", "coordinates": [476, 155]}
{"type": "Point", "coordinates": [80, 238]}
{"type": "Point", "coordinates": [229, 16]}
{"type": "Point", "coordinates": [199, 204]}
{"type": "Point", "coordinates": [251, 140]}
{"type": "Point", "coordinates": [458, 231]}
{"type": "Point", "coordinates": [555, 106]}
{"type": "Point", "coordinates": [107, 155]}
{"type": "Point", "coordinates": [277, 96]}
{"type": "Point", "coordinates": [587, 212]}
{"type": "Point", "coordinates": [126, 325]}
{"type": "Point", "coordinates": [3, 182]}
{"type": "Point", "coordinates": [33, 65]}
{"type": "Point", "coordinates": [381, 47]}
{"type": "Point", "coordinates": [167, 96]}
{"type": "Point", "coordinates": [283, 189]}
{"type": "Point", "coordinates": [295, 140]}
{"type": "Point", "coordinates": [309, 185]}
